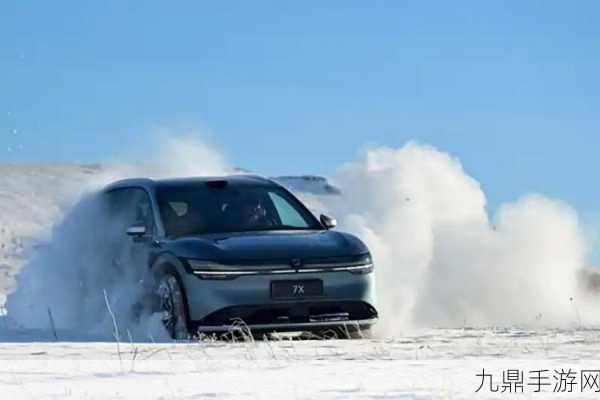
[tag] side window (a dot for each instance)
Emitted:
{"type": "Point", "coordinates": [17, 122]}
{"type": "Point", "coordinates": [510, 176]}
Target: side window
{"type": "Point", "coordinates": [287, 214]}
{"type": "Point", "coordinates": [131, 207]}
{"type": "Point", "coordinates": [142, 209]}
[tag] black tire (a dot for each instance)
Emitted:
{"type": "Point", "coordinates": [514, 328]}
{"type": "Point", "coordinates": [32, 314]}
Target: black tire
{"type": "Point", "coordinates": [172, 307]}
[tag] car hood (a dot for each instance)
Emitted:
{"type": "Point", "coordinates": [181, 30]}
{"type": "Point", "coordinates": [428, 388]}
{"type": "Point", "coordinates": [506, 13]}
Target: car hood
{"type": "Point", "coordinates": [264, 246]}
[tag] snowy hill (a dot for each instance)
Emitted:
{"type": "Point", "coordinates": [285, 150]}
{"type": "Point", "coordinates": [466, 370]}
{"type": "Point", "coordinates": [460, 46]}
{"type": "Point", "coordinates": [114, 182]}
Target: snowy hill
{"type": "Point", "coordinates": [308, 184]}
{"type": "Point", "coordinates": [32, 196]}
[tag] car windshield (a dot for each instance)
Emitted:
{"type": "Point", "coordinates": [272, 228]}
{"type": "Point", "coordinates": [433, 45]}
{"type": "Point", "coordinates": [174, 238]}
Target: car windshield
{"type": "Point", "coordinates": [199, 209]}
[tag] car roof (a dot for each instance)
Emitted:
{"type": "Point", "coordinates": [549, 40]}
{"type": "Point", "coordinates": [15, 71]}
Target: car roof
{"type": "Point", "coordinates": [152, 184]}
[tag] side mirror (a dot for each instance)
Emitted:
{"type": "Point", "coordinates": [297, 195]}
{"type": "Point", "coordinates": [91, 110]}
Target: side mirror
{"type": "Point", "coordinates": [328, 222]}
{"type": "Point", "coordinates": [136, 230]}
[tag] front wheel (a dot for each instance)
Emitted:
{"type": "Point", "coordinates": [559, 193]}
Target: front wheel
{"type": "Point", "coordinates": [172, 307]}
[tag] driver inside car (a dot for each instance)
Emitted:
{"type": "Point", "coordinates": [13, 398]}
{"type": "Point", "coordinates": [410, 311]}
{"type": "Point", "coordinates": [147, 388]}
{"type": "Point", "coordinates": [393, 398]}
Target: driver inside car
{"type": "Point", "coordinates": [249, 214]}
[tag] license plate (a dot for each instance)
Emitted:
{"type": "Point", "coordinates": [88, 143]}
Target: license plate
{"type": "Point", "coordinates": [296, 289]}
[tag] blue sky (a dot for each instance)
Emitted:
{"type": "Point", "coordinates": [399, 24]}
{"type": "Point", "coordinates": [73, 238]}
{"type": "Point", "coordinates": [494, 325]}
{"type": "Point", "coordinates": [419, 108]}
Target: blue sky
{"type": "Point", "coordinates": [511, 88]}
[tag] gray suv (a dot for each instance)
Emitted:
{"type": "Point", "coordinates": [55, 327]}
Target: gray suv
{"type": "Point", "coordinates": [243, 250]}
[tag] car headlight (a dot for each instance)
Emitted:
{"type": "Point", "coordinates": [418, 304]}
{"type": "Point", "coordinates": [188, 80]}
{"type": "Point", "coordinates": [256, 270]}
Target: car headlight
{"type": "Point", "coordinates": [362, 266]}
{"type": "Point", "coordinates": [359, 265]}
{"type": "Point", "coordinates": [214, 270]}
{"type": "Point", "coordinates": [203, 264]}
{"type": "Point", "coordinates": [361, 269]}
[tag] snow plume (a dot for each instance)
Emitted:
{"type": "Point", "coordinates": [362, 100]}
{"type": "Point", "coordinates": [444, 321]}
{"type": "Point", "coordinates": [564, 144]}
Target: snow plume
{"type": "Point", "coordinates": [439, 259]}
{"type": "Point", "coordinates": [64, 281]}
{"type": "Point", "coordinates": [170, 156]}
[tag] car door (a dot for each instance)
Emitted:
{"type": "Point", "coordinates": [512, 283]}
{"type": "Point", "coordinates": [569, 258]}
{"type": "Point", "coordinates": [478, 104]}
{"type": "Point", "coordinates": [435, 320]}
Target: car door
{"type": "Point", "coordinates": [131, 207]}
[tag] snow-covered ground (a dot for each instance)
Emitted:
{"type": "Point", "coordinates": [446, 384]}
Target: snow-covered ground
{"type": "Point", "coordinates": [429, 364]}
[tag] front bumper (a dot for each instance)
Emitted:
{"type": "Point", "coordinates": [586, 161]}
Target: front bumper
{"type": "Point", "coordinates": [214, 305]}
{"type": "Point", "coordinates": [290, 316]}
{"type": "Point", "coordinates": [286, 327]}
